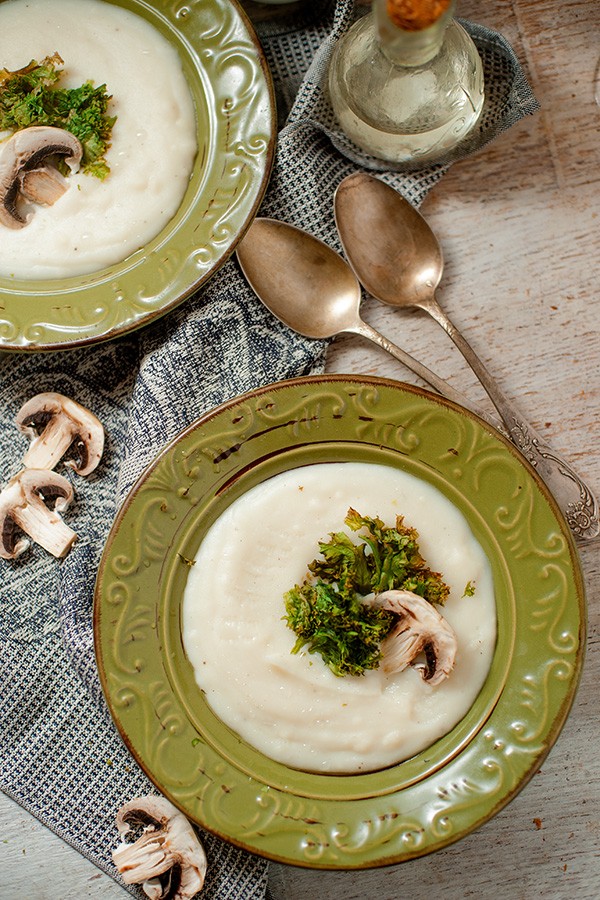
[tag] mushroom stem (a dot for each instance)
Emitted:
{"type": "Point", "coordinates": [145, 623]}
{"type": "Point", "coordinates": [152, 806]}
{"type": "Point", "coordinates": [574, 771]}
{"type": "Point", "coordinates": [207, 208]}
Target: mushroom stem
{"type": "Point", "coordinates": [23, 503]}
{"type": "Point", "coordinates": [47, 449]}
{"type": "Point", "coordinates": [51, 533]}
{"type": "Point", "coordinates": [44, 185]}
{"type": "Point", "coordinates": [145, 859]}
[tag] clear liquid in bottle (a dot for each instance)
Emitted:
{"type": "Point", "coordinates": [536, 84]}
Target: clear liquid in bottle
{"type": "Point", "coordinates": [406, 96]}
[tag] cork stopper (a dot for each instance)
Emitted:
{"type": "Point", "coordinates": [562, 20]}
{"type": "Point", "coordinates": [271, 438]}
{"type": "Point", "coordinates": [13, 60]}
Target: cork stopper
{"type": "Point", "coordinates": [415, 15]}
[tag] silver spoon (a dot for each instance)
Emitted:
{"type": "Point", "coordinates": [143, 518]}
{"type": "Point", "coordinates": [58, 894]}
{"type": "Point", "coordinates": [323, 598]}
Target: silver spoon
{"type": "Point", "coordinates": [311, 289]}
{"type": "Point", "coordinates": [396, 256]}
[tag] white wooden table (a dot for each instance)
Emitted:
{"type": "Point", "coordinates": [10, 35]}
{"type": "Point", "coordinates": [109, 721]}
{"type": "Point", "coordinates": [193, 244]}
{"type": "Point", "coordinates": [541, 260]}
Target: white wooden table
{"type": "Point", "coordinates": [520, 228]}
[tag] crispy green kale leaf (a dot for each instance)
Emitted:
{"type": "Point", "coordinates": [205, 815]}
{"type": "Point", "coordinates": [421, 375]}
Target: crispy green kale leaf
{"type": "Point", "coordinates": [29, 96]}
{"type": "Point", "coordinates": [346, 632]}
{"type": "Point", "coordinates": [326, 612]}
{"type": "Point", "coordinates": [385, 559]}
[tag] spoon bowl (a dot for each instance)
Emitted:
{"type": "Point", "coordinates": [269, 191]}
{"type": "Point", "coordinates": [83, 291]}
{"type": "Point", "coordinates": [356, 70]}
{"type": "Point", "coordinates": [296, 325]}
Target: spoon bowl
{"type": "Point", "coordinates": [302, 281]}
{"type": "Point", "coordinates": [388, 243]}
{"type": "Point", "coordinates": [311, 289]}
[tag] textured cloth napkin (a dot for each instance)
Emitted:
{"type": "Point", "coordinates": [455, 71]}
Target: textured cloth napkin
{"type": "Point", "coordinates": [60, 755]}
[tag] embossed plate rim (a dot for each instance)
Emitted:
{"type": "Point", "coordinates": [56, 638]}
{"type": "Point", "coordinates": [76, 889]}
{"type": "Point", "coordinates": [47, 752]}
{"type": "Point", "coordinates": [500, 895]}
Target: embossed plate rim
{"type": "Point", "coordinates": [238, 143]}
{"type": "Point", "coordinates": [380, 825]}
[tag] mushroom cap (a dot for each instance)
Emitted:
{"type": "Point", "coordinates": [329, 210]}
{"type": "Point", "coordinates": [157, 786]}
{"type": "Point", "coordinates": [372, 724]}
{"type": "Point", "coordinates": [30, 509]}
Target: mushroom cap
{"type": "Point", "coordinates": [420, 629]}
{"type": "Point", "coordinates": [57, 427]}
{"type": "Point", "coordinates": [26, 150]}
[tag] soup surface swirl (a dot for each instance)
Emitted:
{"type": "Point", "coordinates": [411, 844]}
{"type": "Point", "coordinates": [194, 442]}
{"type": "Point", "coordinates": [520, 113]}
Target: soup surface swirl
{"type": "Point", "coordinates": [292, 707]}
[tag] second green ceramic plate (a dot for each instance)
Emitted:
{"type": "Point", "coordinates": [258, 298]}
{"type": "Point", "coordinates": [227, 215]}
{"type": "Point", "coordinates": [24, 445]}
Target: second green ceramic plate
{"type": "Point", "coordinates": [326, 821]}
{"type": "Point", "coordinates": [233, 99]}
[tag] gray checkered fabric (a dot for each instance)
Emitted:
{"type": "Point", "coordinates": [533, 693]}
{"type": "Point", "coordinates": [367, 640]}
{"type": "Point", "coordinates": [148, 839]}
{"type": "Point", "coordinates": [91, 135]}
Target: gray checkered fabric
{"type": "Point", "coordinates": [60, 755]}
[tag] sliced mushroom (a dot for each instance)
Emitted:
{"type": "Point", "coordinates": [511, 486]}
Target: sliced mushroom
{"type": "Point", "coordinates": [25, 151]}
{"type": "Point", "coordinates": [24, 508]}
{"type": "Point", "coordinates": [168, 860]}
{"type": "Point", "coordinates": [57, 427]}
{"type": "Point", "coordinates": [420, 629]}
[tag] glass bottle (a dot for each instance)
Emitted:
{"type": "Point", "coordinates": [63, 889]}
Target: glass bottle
{"type": "Point", "coordinates": [406, 81]}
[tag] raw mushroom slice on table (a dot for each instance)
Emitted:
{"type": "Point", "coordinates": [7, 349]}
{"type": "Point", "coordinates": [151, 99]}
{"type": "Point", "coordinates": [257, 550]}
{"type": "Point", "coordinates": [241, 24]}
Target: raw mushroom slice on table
{"type": "Point", "coordinates": [167, 859]}
{"type": "Point", "coordinates": [57, 427]}
{"type": "Point", "coordinates": [23, 508]}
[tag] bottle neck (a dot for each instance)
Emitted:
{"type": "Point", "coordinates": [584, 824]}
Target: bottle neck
{"type": "Point", "coordinates": [410, 48]}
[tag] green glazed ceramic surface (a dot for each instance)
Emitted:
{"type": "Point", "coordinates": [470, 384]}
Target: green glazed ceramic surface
{"type": "Point", "coordinates": [233, 99]}
{"type": "Point", "coordinates": [328, 821]}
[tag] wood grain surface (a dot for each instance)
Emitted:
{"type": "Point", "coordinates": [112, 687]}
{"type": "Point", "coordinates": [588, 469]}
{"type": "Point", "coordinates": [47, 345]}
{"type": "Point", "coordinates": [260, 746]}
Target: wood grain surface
{"type": "Point", "coordinates": [519, 225]}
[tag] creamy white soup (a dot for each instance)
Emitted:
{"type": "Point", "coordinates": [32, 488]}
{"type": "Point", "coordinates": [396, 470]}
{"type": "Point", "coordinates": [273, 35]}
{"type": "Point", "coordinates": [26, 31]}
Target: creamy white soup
{"type": "Point", "coordinates": [292, 707]}
{"type": "Point", "coordinates": [98, 223]}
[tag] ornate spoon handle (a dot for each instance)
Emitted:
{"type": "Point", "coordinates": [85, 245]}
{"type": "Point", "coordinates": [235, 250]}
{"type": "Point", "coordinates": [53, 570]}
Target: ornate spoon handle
{"type": "Point", "coordinates": [576, 500]}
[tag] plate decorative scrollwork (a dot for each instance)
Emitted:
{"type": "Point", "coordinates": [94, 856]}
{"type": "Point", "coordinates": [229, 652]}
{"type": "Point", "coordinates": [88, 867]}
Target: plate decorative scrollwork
{"type": "Point", "coordinates": [353, 821]}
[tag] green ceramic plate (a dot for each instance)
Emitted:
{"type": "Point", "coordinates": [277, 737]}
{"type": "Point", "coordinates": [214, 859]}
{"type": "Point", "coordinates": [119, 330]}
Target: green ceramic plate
{"type": "Point", "coordinates": [233, 98]}
{"type": "Point", "coordinates": [330, 821]}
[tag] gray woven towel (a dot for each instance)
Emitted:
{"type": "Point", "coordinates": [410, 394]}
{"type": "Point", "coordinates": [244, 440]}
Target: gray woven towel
{"type": "Point", "coordinates": [60, 755]}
